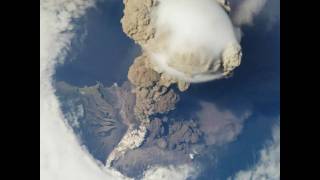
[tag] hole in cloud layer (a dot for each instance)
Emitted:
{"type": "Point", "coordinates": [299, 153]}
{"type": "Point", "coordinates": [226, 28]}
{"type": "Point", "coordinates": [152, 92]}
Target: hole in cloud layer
{"type": "Point", "coordinates": [61, 156]}
{"type": "Point", "coordinates": [65, 155]}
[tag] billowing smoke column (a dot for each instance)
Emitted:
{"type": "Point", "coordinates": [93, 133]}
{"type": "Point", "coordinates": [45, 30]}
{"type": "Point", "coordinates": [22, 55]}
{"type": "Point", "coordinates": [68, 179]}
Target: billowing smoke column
{"type": "Point", "coordinates": [183, 41]}
{"type": "Point", "coordinates": [189, 40]}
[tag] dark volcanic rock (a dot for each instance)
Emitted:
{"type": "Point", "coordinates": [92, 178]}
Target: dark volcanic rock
{"type": "Point", "coordinates": [162, 143]}
{"type": "Point", "coordinates": [100, 117]}
{"type": "Point", "coordinates": [136, 161]}
{"type": "Point", "coordinates": [155, 128]}
{"type": "Point", "coordinates": [182, 134]}
{"type": "Point", "coordinates": [169, 141]}
{"type": "Point", "coordinates": [173, 134]}
{"type": "Point", "coordinates": [105, 113]}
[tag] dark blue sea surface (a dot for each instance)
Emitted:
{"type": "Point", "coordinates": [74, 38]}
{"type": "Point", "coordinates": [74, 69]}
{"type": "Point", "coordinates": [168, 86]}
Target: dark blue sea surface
{"type": "Point", "coordinates": [106, 52]}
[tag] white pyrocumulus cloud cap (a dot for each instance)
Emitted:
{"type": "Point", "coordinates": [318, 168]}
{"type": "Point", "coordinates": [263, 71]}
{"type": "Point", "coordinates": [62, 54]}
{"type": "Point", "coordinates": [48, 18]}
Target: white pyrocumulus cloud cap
{"type": "Point", "coordinates": [195, 31]}
{"type": "Point", "coordinates": [195, 23]}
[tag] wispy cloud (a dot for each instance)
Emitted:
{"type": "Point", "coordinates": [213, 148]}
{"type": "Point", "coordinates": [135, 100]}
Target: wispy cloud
{"type": "Point", "coordinates": [246, 10]}
{"type": "Point", "coordinates": [220, 126]}
{"type": "Point", "coordinates": [268, 166]}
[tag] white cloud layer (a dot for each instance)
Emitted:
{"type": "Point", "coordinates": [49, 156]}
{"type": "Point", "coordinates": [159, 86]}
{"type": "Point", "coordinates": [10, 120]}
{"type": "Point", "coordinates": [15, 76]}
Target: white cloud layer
{"type": "Point", "coordinates": [268, 167]}
{"type": "Point", "coordinates": [181, 172]}
{"type": "Point", "coordinates": [61, 156]}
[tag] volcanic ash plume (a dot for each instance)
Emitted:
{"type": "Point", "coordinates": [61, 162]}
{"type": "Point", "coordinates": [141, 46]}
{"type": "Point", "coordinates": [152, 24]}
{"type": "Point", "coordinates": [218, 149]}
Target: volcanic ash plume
{"type": "Point", "coordinates": [189, 40]}
{"type": "Point", "coordinates": [182, 41]}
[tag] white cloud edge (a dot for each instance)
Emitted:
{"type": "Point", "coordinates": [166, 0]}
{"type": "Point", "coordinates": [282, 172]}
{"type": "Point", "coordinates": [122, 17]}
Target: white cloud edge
{"type": "Point", "coordinates": [61, 156]}
{"type": "Point", "coordinates": [181, 172]}
{"type": "Point", "coordinates": [268, 166]}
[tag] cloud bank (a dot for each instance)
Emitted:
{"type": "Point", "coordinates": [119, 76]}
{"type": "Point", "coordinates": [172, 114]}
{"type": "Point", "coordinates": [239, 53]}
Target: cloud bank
{"type": "Point", "coordinates": [268, 167]}
{"type": "Point", "coordinates": [61, 156]}
{"type": "Point", "coordinates": [181, 172]}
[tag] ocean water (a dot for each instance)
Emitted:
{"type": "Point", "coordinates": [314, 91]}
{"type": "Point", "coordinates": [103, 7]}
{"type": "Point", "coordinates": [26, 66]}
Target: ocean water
{"type": "Point", "coordinates": [106, 53]}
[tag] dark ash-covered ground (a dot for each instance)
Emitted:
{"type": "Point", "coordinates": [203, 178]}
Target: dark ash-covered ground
{"type": "Point", "coordinates": [101, 115]}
